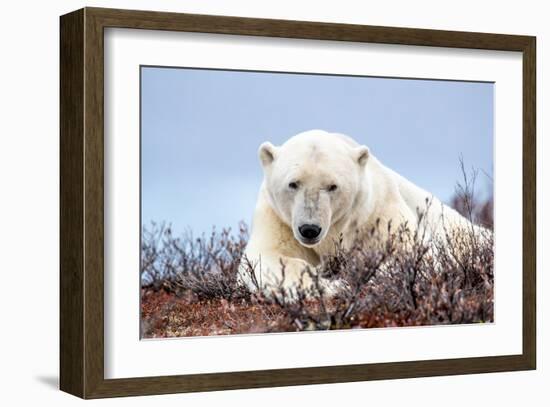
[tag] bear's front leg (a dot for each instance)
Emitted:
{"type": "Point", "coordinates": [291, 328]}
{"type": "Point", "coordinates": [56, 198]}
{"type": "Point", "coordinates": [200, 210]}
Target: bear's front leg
{"type": "Point", "coordinates": [288, 277]}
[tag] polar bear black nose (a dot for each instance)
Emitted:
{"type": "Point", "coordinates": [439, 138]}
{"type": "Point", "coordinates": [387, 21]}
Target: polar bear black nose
{"type": "Point", "coordinates": [310, 231]}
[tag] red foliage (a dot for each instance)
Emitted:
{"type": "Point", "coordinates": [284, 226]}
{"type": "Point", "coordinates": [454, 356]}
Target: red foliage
{"type": "Point", "coordinates": [169, 315]}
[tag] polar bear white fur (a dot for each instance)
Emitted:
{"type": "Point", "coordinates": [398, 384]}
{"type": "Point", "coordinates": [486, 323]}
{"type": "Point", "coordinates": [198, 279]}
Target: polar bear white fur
{"type": "Point", "coordinates": [318, 188]}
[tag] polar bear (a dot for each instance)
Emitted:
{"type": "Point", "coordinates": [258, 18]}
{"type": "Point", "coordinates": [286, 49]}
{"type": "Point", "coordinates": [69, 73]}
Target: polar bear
{"type": "Point", "coordinates": [319, 188]}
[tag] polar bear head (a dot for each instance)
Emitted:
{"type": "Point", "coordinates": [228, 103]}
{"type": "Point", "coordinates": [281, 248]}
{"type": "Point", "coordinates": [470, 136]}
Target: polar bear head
{"type": "Point", "coordinates": [313, 181]}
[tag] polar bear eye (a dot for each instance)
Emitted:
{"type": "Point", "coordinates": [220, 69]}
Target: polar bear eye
{"type": "Point", "coordinates": [332, 188]}
{"type": "Point", "coordinates": [293, 185]}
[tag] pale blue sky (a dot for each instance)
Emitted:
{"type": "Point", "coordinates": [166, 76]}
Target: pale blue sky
{"type": "Point", "coordinates": [201, 130]}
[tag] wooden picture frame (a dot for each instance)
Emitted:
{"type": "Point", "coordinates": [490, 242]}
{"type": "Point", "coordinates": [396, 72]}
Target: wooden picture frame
{"type": "Point", "coordinates": [82, 202]}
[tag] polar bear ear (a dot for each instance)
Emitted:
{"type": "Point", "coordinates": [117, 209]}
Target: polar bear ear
{"type": "Point", "coordinates": [267, 152]}
{"type": "Point", "coordinates": [362, 153]}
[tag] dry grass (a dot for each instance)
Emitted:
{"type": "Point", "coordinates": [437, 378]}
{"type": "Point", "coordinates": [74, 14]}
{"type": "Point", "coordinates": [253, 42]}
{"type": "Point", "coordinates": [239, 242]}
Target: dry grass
{"type": "Point", "coordinates": [190, 285]}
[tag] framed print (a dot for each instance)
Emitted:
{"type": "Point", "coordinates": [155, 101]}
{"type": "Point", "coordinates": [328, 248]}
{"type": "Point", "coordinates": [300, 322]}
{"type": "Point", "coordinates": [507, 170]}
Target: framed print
{"type": "Point", "coordinates": [252, 203]}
